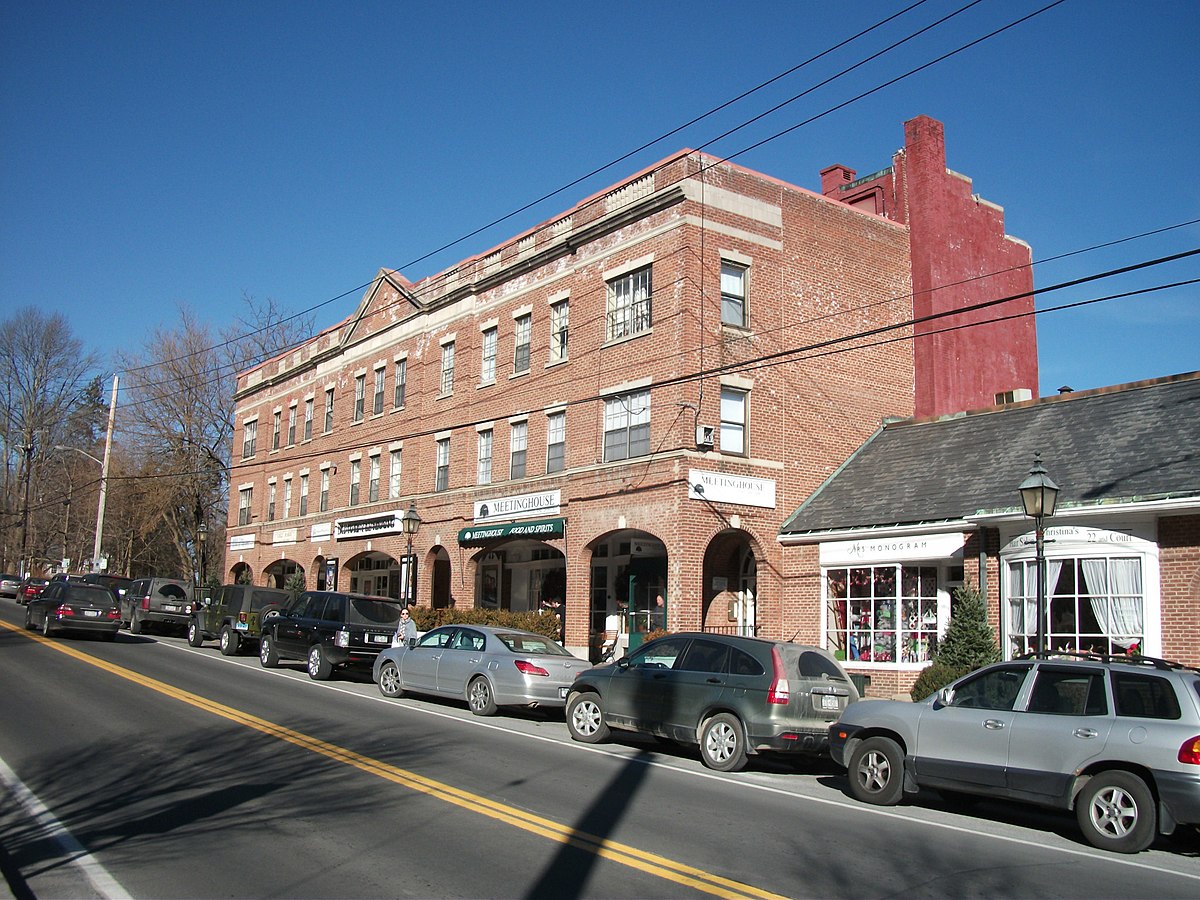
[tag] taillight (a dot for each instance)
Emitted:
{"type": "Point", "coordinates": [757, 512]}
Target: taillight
{"type": "Point", "coordinates": [1190, 751]}
{"type": "Point", "coordinates": [527, 668]}
{"type": "Point", "coordinates": [114, 614]}
{"type": "Point", "coordinates": [64, 610]}
{"type": "Point", "coordinates": [342, 639]}
{"type": "Point", "coordinates": [146, 602]}
{"type": "Point", "coordinates": [779, 692]}
{"type": "Point", "coordinates": [242, 618]}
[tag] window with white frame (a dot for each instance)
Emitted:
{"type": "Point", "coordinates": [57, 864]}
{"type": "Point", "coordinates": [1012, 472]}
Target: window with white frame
{"type": "Point", "coordinates": [882, 614]}
{"type": "Point", "coordinates": [276, 429]}
{"type": "Point", "coordinates": [560, 320]}
{"type": "Point", "coordinates": [484, 467]}
{"type": "Point", "coordinates": [733, 421]}
{"type": "Point", "coordinates": [628, 305]}
{"type": "Point", "coordinates": [291, 435]}
{"type": "Point", "coordinates": [394, 474]}
{"type": "Point", "coordinates": [328, 410]}
{"type": "Point", "coordinates": [733, 294]}
{"type": "Point", "coordinates": [323, 502]}
{"type": "Point", "coordinates": [522, 334]}
{"type": "Point", "coordinates": [355, 480]}
{"type": "Point", "coordinates": [270, 501]}
{"type": "Point", "coordinates": [401, 386]}
{"type": "Point", "coordinates": [245, 504]}
{"type": "Point", "coordinates": [627, 425]}
{"type": "Point", "coordinates": [517, 444]}
{"type": "Point", "coordinates": [487, 364]}
{"type": "Point", "coordinates": [373, 480]}
{"type": "Point", "coordinates": [441, 480]}
{"type": "Point", "coordinates": [287, 498]}
{"type": "Point", "coordinates": [249, 439]}
{"type": "Point", "coordinates": [380, 385]}
{"type": "Point", "coordinates": [360, 396]}
{"type": "Point", "coordinates": [556, 441]}
{"type": "Point", "coordinates": [448, 367]}
{"type": "Point", "coordinates": [304, 494]}
{"type": "Point", "coordinates": [308, 419]}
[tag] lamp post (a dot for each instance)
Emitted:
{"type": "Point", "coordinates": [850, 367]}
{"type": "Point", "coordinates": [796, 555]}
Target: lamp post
{"type": "Point", "coordinates": [1039, 496]}
{"type": "Point", "coordinates": [202, 539]}
{"type": "Point", "coordinates": [410, 522]}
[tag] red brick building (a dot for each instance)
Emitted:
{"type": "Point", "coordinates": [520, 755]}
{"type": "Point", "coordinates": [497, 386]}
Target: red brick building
{"type": "Point", "coordinates": [629, 399]}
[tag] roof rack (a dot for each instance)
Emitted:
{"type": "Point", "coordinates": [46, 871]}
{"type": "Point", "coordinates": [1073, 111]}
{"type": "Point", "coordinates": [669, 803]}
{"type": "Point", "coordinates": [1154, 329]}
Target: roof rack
{"type": "Point", "coordinates": [1135, 659]}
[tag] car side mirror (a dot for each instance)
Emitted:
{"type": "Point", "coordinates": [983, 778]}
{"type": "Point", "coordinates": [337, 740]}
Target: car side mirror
{"type": "Point", "coordinates": [412, 642]}
{"type": "Point", "coordinates": [945, 696]}
{"type": "Point", "coordinates": [623, 662]}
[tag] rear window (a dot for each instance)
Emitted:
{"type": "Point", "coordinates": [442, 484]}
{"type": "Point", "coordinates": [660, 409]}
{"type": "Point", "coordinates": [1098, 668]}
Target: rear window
{"type": "Point", "coordinates": [817, 665]}
{"type": "Point", "coordinates": [373, 612]}
{"type": "Point", "coordinates": [93, 594]}
{"type": "Point", "coordinates": [530, 643]}
{"type": "Point", "coordinates": [259, 599]}
{"type": "Point", "coordinates": [1144, 696]}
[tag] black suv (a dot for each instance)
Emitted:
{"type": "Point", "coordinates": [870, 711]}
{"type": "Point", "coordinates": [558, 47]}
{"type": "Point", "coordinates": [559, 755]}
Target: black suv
{"type": "Point", "coordinates": [731, 695]}
{"type": "Point", "coordinates": [330, 630]}
{"type": "Point", "coordinates": [234, 615]}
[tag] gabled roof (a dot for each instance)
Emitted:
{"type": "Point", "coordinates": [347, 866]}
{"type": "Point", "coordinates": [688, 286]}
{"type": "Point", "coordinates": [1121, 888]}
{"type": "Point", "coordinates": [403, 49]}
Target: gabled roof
{"type": "Point", "coordinates": [1126, 444]}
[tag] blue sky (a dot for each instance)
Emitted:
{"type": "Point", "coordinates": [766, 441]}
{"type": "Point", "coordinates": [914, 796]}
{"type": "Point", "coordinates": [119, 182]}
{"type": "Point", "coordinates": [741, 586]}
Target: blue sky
{"type": "Point", "coordinates": [166, 153]}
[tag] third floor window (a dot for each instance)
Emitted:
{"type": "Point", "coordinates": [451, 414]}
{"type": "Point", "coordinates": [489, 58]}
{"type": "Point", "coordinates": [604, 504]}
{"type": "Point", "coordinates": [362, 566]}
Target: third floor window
{"type": "Point", "coordinates": [522, 332]}
{"type": "Point", "coordinates": [628, 307]}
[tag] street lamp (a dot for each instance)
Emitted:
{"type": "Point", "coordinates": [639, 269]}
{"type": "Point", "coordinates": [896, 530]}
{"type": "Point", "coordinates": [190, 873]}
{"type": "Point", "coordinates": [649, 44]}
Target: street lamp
{"type": "Point", "coordinates": [410, 522]}
{"type": "Point", "coordinates": [202, 538]}
{"type": "Point", "coordinates": [1039, 496]}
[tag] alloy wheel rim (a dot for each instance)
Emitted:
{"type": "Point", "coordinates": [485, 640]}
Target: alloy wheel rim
{"type": "Point", "coordinates": [1114, 812]}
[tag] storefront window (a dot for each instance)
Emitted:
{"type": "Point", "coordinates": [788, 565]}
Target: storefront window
{"type": "Point", "coordinates": [1093, 605]}
{"type": "Point", "coordinates": [883, 614]}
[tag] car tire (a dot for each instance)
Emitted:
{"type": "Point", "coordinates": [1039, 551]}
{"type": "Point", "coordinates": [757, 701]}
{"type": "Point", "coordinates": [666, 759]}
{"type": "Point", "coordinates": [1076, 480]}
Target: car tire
{"type": "Point", "coordinates": [390, 683]}
{"type": "Point", "coordinates": [195, 635]}
{"type": "Point", "coordinates": [46, 629]}
{"type": "Point", "coordinates": [319, 668]}
{"type": "Point", "coordinates": [28, 619]}
{"type": "Point", "coordinates": [723, 743]}
{"type": "Point", "coordinates": [585, 718]}
{"type": "Point", "coordinates": [267, 657]}
{"type": "Point", "coordinates": [230, 641]}
{"type": "Point", "coordinates": [1116, 812]}
{"type": "Point", "coordinates": [876, 770]}
{"type": "Point", "coordinates": [136, 625]}
{"type": "Point", "coordinates": [479, 697]}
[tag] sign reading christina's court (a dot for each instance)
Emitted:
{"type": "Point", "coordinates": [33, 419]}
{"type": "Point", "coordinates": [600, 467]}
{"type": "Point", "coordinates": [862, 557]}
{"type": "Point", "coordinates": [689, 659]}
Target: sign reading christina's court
{"type": "Point", "coordinates": [536, 531]}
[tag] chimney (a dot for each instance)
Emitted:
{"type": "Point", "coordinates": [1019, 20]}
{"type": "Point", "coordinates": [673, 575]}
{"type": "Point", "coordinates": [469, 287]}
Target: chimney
{"type": "Point", "coordinates": [833, 177]}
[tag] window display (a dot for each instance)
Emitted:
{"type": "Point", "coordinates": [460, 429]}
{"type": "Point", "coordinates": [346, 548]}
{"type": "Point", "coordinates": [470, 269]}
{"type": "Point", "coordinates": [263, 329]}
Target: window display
{"type": "Point", "coordinates": [882, 614]}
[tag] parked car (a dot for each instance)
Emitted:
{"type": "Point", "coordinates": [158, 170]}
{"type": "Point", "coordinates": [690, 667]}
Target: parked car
{"type": "Point", "coordinates": [118, 584]}
{"type": "Point", "coordinates": [156, 601]}
{"type": "Point", "coordinates": [72, 606]}
{"type": "Point", "coordinates": [329, 630]}
{"type": "Point", "coordinates": [9, 585]}
{"type": "Point", "coordinates": [1116, 739]}
{"type": "Point", "coordinates": [234, 615]}
{"type": "Point", "coordinates": [30, 588]}
{"type": "Point", "coordinates": [487, 667]}
{"type": "Point", "coordinates": [731, 695]}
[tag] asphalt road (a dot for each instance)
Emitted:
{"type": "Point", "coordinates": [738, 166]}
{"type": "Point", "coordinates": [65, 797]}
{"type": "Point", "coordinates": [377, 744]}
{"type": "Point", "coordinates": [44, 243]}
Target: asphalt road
{"type": "Point", "coordinates": [147, 768]}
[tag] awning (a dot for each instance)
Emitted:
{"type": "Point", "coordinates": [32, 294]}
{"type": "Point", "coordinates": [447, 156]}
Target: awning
{"type": "Point", "coordinates": [536, 529]}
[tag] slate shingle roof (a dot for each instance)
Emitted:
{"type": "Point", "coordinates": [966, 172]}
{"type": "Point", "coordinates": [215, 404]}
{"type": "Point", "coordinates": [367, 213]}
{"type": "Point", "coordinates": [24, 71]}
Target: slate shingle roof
{"type": "Point", "coordinates": [1135, 442]}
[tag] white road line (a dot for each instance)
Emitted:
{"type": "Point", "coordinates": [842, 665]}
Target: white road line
{"type": "Point", "coordinates": [97, 876]}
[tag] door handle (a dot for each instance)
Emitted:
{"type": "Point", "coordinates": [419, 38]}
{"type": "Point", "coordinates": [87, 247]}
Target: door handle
{"type": "Point", "coordinates": [714, 681]}
{"type": "Point", "coordinates": [993, 724]}
{"type": "Point", "coordinates": [436, 658]}
{"type": "Point", "coordinates": [1085, 733]}
{"type": "Point", "coordinates": [474, 660]}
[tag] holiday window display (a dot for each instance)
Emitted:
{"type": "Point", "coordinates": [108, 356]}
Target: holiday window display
{"type": "Point", "coordinates": [883, 614]}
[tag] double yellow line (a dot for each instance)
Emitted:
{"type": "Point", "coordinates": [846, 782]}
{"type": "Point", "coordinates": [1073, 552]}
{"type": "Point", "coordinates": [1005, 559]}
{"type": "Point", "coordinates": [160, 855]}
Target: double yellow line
{"type": "Point", "coordinates": [650, 863]}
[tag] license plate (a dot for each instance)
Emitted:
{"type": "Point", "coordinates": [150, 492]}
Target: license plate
{"type": "Point", "coordinates": [828, 701]}
{"type": "Point", "coordinates": [170, 607]}
{"type": "Point", "coordinates": [381, 638]}
{"type": "Point", "coordinates": [91, 613]}
{"type": "Point", "coordinates": [562, 693]}
{"type": "Point", "coordinates": [241, 626]}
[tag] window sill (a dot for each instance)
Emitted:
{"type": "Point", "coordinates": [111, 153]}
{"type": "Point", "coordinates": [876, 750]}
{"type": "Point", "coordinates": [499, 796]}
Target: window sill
{"type": "Point", "coordinates": [486, 384]}
{"type": "Point", "coordinates": [557, 362]}
{"type": "Point", "coordinates": [518, 375]}
{"type": "Point", "coordinates": [612, 342]}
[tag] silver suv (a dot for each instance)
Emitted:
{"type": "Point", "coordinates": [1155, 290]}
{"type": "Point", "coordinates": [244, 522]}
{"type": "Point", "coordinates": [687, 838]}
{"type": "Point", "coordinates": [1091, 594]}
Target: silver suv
{"type": "Point", "coordinates": [731, 695]}
{"type": "Point", "coordinates": [1114, 738]}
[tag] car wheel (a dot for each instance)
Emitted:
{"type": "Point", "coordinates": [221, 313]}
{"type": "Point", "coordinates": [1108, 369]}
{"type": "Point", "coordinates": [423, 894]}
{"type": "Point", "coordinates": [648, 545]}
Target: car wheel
{"type": "Point", "coordinates": [135, 624]}
{"type": "Point", "coordinates": [46, 629]}
{"type": "Point", "coordinates": [390, 684]}
{"type": "Point", "coordinates": [723, 743]}
{"type": "Point", "coordinates": [267, 656]}
{"type": "Point", "coordinates": [479, 697]}
{"type": "Point", "coordinates": [28, 618]}
{"type": "Point", "coordinates": [319, 668]}
{"type": "Point", "coordinates": [230, 641]}
{"type": "Point", "coordinates": [1116, 812]}
{"type": "Point", "coordinates": [876, 772]}
{"type": "Point", "coordinates": [585, 718]}
{"type": "Point", "coordinates": [195, 635]}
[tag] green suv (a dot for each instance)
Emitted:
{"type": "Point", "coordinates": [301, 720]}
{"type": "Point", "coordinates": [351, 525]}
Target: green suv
{"type": "Point", "coordinates": [234, 615]}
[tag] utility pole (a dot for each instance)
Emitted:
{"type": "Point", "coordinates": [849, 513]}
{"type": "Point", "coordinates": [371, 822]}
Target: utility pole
{"type": "Point", "coordinates": [112, 414]}
{"type": "Point", "coordinates": [25, 567]}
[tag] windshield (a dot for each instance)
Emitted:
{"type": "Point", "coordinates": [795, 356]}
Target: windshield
{"type": "Point", "coordinates": [373, 612]}
{"type": "Point", "coordinates": [518, 642]}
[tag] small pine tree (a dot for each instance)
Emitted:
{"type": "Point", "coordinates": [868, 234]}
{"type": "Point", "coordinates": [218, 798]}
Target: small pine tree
{"type": "Point", "coordinates": [968, 644]}
{"type": "Point", "coordinates": [295, 583]}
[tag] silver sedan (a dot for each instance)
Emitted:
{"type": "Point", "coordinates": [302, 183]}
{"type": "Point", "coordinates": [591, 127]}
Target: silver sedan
{"type": "Point", "coordinates": [488, 667]}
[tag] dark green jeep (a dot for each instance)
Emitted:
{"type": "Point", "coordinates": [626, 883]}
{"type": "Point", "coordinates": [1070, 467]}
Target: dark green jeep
{"type": "Point", "coordinates": [234, 614]}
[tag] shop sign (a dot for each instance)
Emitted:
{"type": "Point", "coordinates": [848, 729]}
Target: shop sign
{"type": "Point", "coordinates": [322, 531]}
{"type": "Point", "coordinates": [719, 487]}
{"type": "Point", "coordinates": [1076, 539]}
{"type": "Point", "coordinates": [539, 530]}
{"type": "Point", "coordinates": [368, 526]}
{"type": "Point", "coordinates": [239, 542]}
{"type": "Point", "coordinates": [520, 506]}
{"type": "Point", "coordinates": [284, 536]}
{"type": "Point", "coordinates": [893, 549]}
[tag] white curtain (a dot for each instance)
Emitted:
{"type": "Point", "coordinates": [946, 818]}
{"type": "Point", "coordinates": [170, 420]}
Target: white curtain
{"type": "Point", "coordinates": [1023, 583]}
{"type": "Point", "coordinates": [1115, 586]}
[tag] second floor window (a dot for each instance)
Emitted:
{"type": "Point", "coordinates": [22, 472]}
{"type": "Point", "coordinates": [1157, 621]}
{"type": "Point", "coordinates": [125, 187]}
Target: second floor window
{"type": "Point", "coordinates": [517, 443]}
{"type": "Point", "coordinates": [373, 480]}
{"type": "Point", "coordinates": [394, 475]}
{"type": "Point", "coordinates": [245, 504]}
{"type": "Point", "coordinates": [556, 441]}
{"type": "Point", "coordinates": [733, 294]}
{"type": "Point", "coordinates": [287, 498]}
{"type": "Point", "coordinates": [377, 404]}
{"type": "Point", "coordinates": [249, 439]}
{"type": "Point", "coordinates": [271, 502]}
{"type": "Point", "coordinates": [627, 426]}
{"type": "Point", "coordinates": [484, 469]}
{"type": "Point", "coordinates": [328, 410]}
{"type": "Point", "coordinates": [360, 396]}
{"type": "Point", "coordinates": [308, 419]}
{"type": "Point", "coordinates": [291, 424]}
{"type": "Point", "coordinates": [276, 429]}
{"type": "Point", "coordinates": [304, 495]}
{"type": "Point", "coordinates": [733, 421]}
{"type": "Point", "coordinates": [441, 480]}
{"type": "Point", "coordinates": [323, 502]}
{"type": "Point", "coordinates": [559, 320]}
{"type": "Point", "coordinates": [355, 479]}
{"type": "Point", "coordinates": [448, 368]}
{"type": "Point", "coordinates": [401, 382]}
{"type": "Point", "coordinates": [628, 306]}
{"type": "Point", "coordinates": [522, 331]}
{"type": "Point", "coordinates": [487, 365]}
